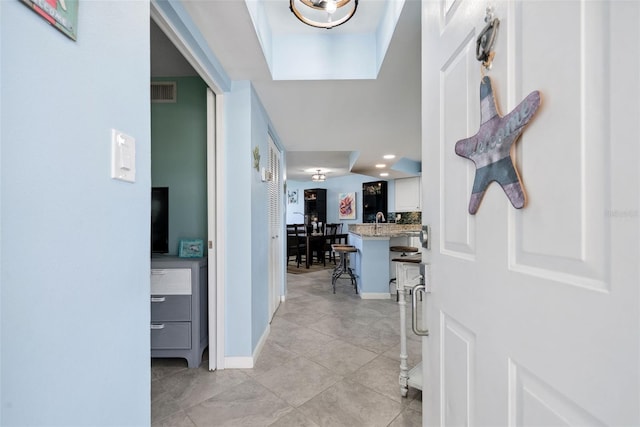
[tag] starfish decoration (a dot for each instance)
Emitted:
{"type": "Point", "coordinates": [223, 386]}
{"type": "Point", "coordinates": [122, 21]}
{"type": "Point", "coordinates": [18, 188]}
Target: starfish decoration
{"type": "Point", "coordinates": [490, 148]}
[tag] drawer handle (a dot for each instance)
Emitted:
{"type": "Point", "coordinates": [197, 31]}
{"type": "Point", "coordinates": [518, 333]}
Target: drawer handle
{"type": "Point", "coordinates": [157, 326]}
{"type": "Point", "coordinates": [158, 299]}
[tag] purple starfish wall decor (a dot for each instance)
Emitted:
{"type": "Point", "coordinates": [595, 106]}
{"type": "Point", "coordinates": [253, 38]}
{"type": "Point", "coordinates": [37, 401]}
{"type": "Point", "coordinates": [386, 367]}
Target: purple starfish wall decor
{"type": "Point", "coordinates": [490, 148]}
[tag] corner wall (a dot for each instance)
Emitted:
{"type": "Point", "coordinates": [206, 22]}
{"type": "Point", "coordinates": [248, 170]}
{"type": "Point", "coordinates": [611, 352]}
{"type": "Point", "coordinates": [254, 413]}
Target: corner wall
{"type": "Point", "coordinates": [247, 126]}
{"type": "Point", "coordinates": [74, 284]}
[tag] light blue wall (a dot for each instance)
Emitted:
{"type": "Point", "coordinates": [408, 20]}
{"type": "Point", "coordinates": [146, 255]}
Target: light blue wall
{"type": "Point", "coordinates": [260, 231]}
{"type": "Point", "coordinates": [335, 186]}
{"type": "Point", "coordinates": [238, 212]}
{"type": "Point", "coordinates": [74, 278]}
{"type": "Point", "coordinates": [179, 158]}
{"type": "Point", "coordinates": [246, 211]}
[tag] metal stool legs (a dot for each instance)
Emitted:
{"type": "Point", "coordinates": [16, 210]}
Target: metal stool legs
{"type": "Point", "coordinates": [343, 267]}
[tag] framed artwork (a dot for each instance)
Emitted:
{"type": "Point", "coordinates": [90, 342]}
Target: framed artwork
{"type": "Point", "coordinates": [191, 248]}
{"type": "Point", "coordinates": [62, 14]}
{"type": "Point", "coordinates": [292, 196]}
{"type": "Point", "coordinates": [347, 206]}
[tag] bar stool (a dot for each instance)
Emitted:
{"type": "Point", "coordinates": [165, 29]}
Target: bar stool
{"type": "Point", "coordinates": [403, 250]}
{"type": "Point", "coordinates": [343, 267]}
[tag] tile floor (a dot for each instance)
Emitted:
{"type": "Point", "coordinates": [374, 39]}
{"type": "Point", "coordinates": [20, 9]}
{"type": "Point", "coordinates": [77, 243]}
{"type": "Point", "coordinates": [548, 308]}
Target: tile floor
{"type": "Point", "coordinates": [329, 360]}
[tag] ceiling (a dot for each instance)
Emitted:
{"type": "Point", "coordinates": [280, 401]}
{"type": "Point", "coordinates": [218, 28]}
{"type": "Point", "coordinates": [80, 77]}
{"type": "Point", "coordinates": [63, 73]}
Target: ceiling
{"type": "Point", "coordinates": [322, 124]}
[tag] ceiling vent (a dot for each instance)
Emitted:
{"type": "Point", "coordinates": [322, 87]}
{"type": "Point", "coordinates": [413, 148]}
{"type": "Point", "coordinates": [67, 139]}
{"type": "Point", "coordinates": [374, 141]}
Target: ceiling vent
{"type": "Point", "coordinates": [163, 92]}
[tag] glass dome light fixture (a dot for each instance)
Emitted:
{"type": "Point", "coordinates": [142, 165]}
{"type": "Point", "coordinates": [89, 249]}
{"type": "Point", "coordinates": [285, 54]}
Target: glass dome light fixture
{"type": "Point", "coordinates": [323, 13]}
{"type": "Point", "coordinates": [318, 177]}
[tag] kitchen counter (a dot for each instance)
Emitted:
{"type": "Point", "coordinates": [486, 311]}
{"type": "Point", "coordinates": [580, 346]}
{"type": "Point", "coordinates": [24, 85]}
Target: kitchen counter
{"type": "Point", "coordinates": [384, 230]}
{"type": "Point", "coordinates": [372, 264]}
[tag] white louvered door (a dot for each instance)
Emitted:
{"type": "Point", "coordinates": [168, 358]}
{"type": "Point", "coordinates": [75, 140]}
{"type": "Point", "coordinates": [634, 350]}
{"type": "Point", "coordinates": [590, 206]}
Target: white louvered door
{"type": "Point", "coordinates": [534, 313]}
{"type": "Point", "coordinates": [275, 229]}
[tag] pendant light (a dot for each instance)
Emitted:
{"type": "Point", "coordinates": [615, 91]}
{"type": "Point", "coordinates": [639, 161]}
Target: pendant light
{"type": "Point", "coordinates": [323, 13]}
{"type": "Point", "coordinates": [318, 177]}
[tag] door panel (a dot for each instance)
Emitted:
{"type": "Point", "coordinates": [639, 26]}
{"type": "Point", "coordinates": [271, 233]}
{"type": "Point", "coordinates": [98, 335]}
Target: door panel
{"type": "Point", "coordinates": [457, 372]}
{"type": "Point", "coordinates": [457, 175]}
{"type": "Point", "coordinates": [571, 247]}
{"type": "Point", "coordinates": [534, 313]}
{"type": "Point", "coordinates": [275, 228]}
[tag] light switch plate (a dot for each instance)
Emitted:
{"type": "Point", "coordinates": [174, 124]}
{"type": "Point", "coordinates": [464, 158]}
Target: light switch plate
{"type": "Point", "coordinates": [123, 156]}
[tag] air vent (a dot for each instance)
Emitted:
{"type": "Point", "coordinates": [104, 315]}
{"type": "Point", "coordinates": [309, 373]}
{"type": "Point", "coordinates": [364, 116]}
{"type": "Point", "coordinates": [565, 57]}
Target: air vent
{"type": "Point", "coordinates": [163, 92]}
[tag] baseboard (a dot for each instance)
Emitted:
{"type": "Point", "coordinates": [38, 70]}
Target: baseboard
{"type": "Point", "coordinates": [243, 362]}
{"type": "Point", "coordinates": [375, 295]}
{"type": "Point", "coordinates": [263, 339]}
{"type": "Point", "coordinates": [238, 362]}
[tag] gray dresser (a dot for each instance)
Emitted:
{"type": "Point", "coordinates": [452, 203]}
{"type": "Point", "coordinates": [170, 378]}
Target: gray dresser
{"type": "Point", "coordinates": [179, 308]}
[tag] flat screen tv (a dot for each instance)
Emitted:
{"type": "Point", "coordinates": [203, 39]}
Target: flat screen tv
{"type": "Point", "coordinates": [160, 220]}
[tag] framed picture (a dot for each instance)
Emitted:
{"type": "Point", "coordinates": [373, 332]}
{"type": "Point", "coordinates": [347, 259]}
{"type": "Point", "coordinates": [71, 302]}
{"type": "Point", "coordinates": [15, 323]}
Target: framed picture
{"type": "Point", "coordinates": [347, 206]}
{"type": "Point", "coordinates": [62, 14]}
{"type": "Point", "coordinates": [292, 197]}
{"type": "Point", "coordinates": [191, 248]}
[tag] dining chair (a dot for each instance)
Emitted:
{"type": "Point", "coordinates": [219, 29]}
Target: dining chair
{"type": "Point", "coordinates": [296, 245]}
{"type": "Point", "coordinates": [330, 239]}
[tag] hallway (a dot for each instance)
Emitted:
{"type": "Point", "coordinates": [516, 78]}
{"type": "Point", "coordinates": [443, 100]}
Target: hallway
{"type": "Point", "coordinates": [330, 360]}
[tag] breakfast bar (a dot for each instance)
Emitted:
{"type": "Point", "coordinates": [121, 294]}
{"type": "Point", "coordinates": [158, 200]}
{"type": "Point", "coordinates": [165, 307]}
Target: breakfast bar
{"type": "Point", "coordinates": [371, 265]}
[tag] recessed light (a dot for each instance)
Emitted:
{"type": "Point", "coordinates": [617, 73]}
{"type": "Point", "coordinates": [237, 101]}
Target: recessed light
{"type": "Point", "coordinates": [381, 165]}
{"type": "Point", "coordinates": [384, 174]}
{"type": "Point", "coordinates": [389, 156]}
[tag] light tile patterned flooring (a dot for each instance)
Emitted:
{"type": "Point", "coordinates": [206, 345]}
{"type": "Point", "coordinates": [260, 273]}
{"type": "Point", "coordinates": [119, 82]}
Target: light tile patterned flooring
{"type": "Point", "coordinates": [329, 360]}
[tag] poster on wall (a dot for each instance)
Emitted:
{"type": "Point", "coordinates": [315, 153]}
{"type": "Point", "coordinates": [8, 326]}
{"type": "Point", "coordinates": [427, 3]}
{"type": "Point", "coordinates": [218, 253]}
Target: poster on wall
{"type": "Point", "coordinates": [292, 196]}
{"type": "Point", "coordinates": [347, 206]}
{"type": "Point", "coordinates": [62, 14]}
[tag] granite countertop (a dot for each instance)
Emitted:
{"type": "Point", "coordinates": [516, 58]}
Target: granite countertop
{"type": "Point", "coordinates": [385, 230]}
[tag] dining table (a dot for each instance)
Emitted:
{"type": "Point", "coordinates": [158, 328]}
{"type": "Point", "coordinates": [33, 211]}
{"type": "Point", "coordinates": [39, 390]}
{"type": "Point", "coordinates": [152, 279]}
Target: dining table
{"type": "Point", "coordinates": [314, 239]}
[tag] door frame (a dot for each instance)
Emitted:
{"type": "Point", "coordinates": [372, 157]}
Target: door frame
{"type": "Point", "coordinates": [215, 173]}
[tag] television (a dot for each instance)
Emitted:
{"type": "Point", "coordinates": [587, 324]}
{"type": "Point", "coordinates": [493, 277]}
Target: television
{"type": "Point", "coordinates": [160, 220]}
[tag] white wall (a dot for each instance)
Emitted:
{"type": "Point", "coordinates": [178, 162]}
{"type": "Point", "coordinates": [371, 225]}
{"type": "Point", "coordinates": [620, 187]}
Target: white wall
{"type": "Point", "coordinates": [74, 280]}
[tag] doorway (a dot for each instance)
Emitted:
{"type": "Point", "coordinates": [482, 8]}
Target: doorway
{"type": "Point", "coordinates": [169, 64]}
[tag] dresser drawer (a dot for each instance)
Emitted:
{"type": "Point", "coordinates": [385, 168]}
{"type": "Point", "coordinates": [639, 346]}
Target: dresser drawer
{"type": "Point", "coordinates": [170, 335]}
{"type": "Point", "coordinates": [170, 308]}
{"type": "Point", "coordinates": [170, 281]}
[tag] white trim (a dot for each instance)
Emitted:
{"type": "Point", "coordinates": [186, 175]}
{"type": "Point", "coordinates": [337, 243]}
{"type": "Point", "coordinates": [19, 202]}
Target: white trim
{"type": "Point", "coordinates": [238, 362]}
{"type": "Point", "coordinates": [282, 298]}
{"type": "Point", "coordinates": [375, 295]}
{"type": "Point", "coordinates": [212, 230]}
{"type": "Point", "coordinates": [243, 362]}
{"type": "Point", "coordinates": [160, 18]}
{"type": "Point", "coordinates": [220, 236]}
{"type": "Point", "coordinates": [263, 340]}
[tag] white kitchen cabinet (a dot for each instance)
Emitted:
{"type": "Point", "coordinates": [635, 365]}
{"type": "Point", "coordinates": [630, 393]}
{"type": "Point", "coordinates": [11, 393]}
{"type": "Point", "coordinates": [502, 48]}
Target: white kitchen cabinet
{"type": "Point", "coordinates": [408, 194]}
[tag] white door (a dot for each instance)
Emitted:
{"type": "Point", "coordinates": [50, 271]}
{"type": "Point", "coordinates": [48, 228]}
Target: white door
{"type": "Point", "coordinates": [212, 253]}
{"type": "Point", "coordinates": [275, 229]}
{"type": "Point", "coordinates": [534, 313]}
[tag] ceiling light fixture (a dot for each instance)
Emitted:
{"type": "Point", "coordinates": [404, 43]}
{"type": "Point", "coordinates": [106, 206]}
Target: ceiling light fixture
{"type": "Point", "coordinates": [323, 13]}
{"type": "Point", "coordinates": [381, 165]}
{"type": "Point", "coordinates": [384, 174]}
{"type": "Point", "coordinates": [389, 156]}
{"type": "Point", "coordinates": [318, 177]}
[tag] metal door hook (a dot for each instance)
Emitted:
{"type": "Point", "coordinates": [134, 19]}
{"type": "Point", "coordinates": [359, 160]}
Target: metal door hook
{"type": "Point", "coordinates": [486, 40]}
